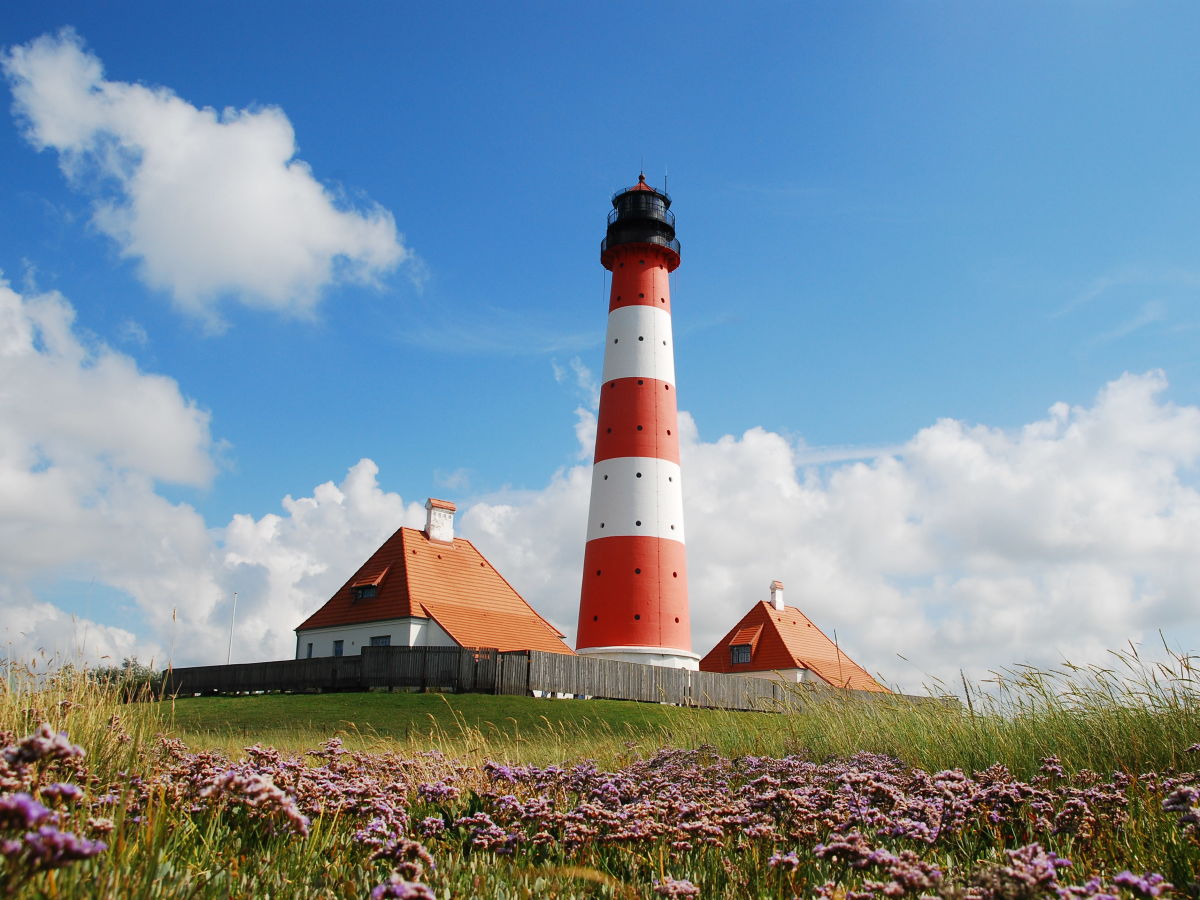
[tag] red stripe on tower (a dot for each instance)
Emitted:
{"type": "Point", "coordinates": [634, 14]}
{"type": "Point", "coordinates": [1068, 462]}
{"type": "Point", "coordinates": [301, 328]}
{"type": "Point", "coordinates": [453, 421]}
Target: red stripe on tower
{"type": "Point", "coordinates": [634, 601]}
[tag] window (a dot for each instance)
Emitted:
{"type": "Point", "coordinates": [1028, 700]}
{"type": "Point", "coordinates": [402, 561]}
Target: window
{"type": "Point", "coordinates": [383, 640]}
{"type": "Point", "coordinates": [739, 653]}
{"type": "Point", "coordinates": [337, 648]}
{"type": "Point", "coordinates": [365, 591]}
{"type": "Point", "coordinates": [308, 655]}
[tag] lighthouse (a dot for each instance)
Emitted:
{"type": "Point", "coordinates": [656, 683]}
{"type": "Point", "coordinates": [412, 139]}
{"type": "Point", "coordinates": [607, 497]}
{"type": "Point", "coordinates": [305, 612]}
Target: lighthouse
{"type": "Point", "coordinates": [633, 604]}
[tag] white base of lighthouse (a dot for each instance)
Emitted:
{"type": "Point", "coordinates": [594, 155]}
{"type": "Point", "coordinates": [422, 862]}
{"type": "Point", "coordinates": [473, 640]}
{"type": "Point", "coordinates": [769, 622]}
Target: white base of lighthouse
{"type": "Point", "coordinates": [647, 656]}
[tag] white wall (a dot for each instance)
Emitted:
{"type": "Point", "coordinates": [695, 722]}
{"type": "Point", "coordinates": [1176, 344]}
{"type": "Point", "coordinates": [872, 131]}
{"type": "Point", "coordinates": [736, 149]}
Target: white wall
{"type": "Point", "coordinates": [407, 632]}
{"type": "Point", "coordinates": [647, 656]}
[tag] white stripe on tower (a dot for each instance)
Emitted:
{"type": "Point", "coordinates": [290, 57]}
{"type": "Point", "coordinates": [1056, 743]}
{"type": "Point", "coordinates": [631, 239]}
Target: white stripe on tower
{"type": "Point", "coordinates": [636, 496]}
{"type": "Point", "coordinates": [639, 344]}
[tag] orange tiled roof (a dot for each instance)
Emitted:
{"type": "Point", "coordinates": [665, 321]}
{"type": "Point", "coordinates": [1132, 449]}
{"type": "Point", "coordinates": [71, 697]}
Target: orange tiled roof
{"type": "Point", "coordinates": [788, 640]}
{"type": "Point", "coordinates": [453, 583]}
{"type": "Point", "coordinates": [485, 627]}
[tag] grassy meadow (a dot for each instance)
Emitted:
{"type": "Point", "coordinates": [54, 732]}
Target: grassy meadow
{"type": "Point", "coordinates": [1068, 784]}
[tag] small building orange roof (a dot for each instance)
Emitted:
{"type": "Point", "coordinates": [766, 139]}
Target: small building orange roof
{"type": "Point", "coordinates": [450, 582]}
{"type": "Point", "coordinates": [787, 639]}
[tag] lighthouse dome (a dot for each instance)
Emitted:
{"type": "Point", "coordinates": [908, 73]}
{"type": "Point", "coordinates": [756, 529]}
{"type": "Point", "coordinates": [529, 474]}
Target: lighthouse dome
{"type": "Point", "coordinates": [641, 215]}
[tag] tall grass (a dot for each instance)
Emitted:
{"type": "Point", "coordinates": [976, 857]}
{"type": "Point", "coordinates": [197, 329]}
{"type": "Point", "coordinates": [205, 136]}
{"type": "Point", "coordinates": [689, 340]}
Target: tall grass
{"type": "Point", "coordinates": [522, 730]}
{"type": "Point", "coordinates": [108, 719]}
{"type": "Point", "coordinates": [1133, 716]}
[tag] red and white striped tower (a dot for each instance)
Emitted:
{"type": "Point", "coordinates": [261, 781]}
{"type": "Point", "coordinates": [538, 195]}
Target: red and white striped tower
{"type": "Point", "coordinates": [634, 602]}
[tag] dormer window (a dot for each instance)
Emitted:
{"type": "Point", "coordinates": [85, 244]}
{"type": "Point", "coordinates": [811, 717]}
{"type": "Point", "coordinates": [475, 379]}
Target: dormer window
{"type": "Point", "coordinates": [742, 643]}
{"type": "Point", "coordinates": [366, 588]}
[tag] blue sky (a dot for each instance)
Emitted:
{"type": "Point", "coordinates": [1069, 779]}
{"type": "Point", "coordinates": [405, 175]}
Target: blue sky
{"type": "Point", "coordinates": [891, 214]}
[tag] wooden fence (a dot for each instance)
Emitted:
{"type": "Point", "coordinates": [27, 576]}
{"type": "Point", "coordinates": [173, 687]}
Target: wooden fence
{"type": "Point", "coordinates": [608, 679]}
{"type": "Point", "coordinates": [489, 671]}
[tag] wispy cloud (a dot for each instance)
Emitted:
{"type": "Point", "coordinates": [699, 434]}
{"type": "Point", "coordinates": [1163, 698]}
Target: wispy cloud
{"type": "Point", "coordinates": [587, 389]}
{"type": "Point", "coordinates": [132, 332]}
{"type": "Point", "coordinates": [838, 453]}
{"type": "Point", "coordinates": [457, 480]}
{"type": "Point", "coordinates": [581, 377]}
{"type": "Point", "coordinates": [1151, 312]}
{"type": "Point", "coordinates": [694, 324]}
{"type": "Point", "coordinates": [1112, 284]}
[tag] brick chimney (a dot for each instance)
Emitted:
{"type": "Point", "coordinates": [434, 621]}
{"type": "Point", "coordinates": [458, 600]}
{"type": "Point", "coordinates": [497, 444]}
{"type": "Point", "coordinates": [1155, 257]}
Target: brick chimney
{"type": "Point", "coordinates": [777, 595]}
{"type": "Point", "coordinates": [439, 520]}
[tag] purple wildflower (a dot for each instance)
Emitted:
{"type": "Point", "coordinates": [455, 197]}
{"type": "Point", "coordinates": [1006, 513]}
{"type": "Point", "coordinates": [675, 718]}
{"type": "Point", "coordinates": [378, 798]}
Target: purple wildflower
{"type": "Point", "coordinates": [409, 858]}
{"type": "Point", "coordinates": [397, 887]}
{"type": "Point", "coordinates": [1033, 866]}
{"type": "Point", "coordinates": [1051, 767]}
{"type": "Point", "coordinates": [376, 833]}
{"type": "Point", "coordinates": [1031, 873]}
{"type": "Point", "coordinates": [1150, 885]}
{"type": "Point", "coordinates": [908, 874]}
{"type": "Point", "coordinates": [21, 811]}
{"type": "Point", "coordinates": [49, 848]}
{"type": "Point", "coordinates": [1093, 889]}
{"type": "Point", "coordinates": [1185, 800]}
{"type": "Point", "coordinates": [100, 825]}
{"type": "Point", "coordinates": [671, 887]}
{"type": "Point", "coordinates": [43, 744]}
{"type": "Point", "coordinates": [432, 825]}
{"type": "Point", "coordinates": [852, 850]}
{"type": "Point", "coordinates": [260, 793]}
{"type": "Point", "coordinates": [62, 793]}
{"type": "Point", "coordinates": [330, 750]}
{"type": "Point", "coordinates": [499, 772]}
{"type": "Point", "coordinates": [788, 862]}
{"type": "Point", "coordinates": [109, 799]}
{"type": "Point", "coordinates": [438, 791]}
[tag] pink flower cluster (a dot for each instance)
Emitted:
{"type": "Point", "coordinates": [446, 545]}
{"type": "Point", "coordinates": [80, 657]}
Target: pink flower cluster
{"type": "Point", "coordinates": [864, 819]}
{"type": "Point", "coordinates": [259, 793]}
{"type": "Point", "coordinates": [866, 827]}
{"type": "Point", "coordinates": [32, 838]}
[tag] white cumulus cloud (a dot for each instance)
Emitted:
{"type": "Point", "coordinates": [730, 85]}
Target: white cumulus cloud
{"type": "Point", "coordinates": [85, 438]}
{"type": "Point", "coordinates": [968, 548]}
{"type": "Point", "coordinates": [213, 204]}
{"type": "Point", "coordinates": [287, 566]}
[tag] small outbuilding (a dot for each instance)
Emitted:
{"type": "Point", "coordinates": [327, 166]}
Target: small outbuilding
{"type": "Point", "coordinates": [426, 589]}
{"type": "Point", "coordinates": [777, 641]}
